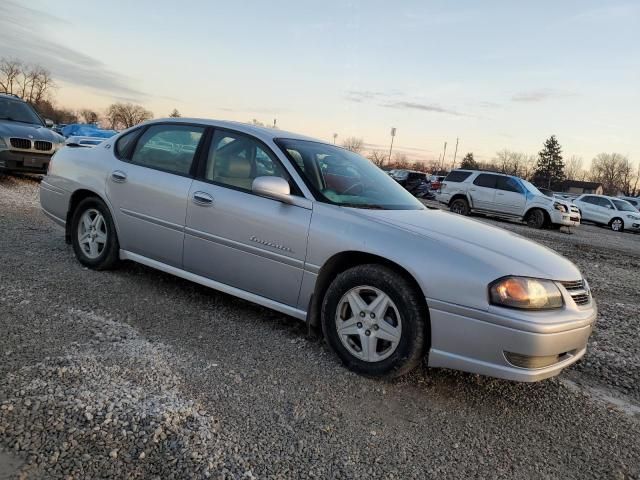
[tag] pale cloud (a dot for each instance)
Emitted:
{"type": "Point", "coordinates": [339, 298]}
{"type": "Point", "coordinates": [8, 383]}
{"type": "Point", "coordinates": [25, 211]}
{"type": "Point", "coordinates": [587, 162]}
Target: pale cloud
{"type": "Point", "coordinates": [540, 95]}
{"type": "Point", "coordinates": [21, 41]}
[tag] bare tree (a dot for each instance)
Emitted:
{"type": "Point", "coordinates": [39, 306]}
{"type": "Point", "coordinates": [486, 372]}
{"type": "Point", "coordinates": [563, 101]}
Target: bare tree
{"type": "Point", "coordinates": [32, 83]}
{"type": "Point", "coordinates": [353, 144]}
{"type": "Point", "coordinates": [573, 168]}
{"type": "Point", "coordinates": [418, 165]}
{"type": "Point", "coordinates": [175, 113]}
{"type": "Point", "coordinates": [400, 160]}
{"type": "Point", "coordinates": [378, 157]}
{"type": "Point", "coordinates": [613, 171]}
{"type": "Point", "coordinates": [88, 115]}
{"type": "Point", "coordinates": [10, 69]}
{"type": "Point", "coordinates": [125, 115]}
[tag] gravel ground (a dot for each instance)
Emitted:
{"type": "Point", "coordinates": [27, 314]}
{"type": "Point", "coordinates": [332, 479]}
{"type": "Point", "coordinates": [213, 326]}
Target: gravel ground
{"type": "Point", "coordinates": [137, 374]}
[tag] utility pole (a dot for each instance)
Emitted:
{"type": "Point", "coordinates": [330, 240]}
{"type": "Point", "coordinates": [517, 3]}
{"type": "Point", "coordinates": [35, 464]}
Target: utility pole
{"type": "Point", "coordinates": [335, 135]}
{"type": "Point", "coordinates": [444, 154]}
{"type": "Point", "coordinates": [453, 165]}
{"type": "Point", "coordinates": [274, 122]}
{"type": "Point", "coordinates": [393, 134]}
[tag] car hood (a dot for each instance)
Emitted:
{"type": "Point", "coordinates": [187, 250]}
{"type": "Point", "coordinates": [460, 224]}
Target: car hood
{"type": "Point", "coordinates": [26, 130]}
{"type": "Point", "coordinates": [504, 252]}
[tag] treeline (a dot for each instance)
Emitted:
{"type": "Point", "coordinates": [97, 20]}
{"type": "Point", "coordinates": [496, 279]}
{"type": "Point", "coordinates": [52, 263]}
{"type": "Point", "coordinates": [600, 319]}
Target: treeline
{"type": "Point", "coordinates": [548, 168]}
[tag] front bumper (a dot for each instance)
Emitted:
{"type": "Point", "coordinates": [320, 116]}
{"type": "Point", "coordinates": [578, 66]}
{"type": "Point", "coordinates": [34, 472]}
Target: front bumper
{"type": "Point", "coordinates": [570, 219]}
{"type": "Point", "coordinates": [25, 162]}
{"type": "Point", "coordinates": [480, 342]}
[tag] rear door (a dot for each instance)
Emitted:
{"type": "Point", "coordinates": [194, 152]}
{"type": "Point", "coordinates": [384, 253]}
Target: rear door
{"type": "Point", "coordinates": [510, 197]}
{"type": "Point", "coordinates": [588, 206]}
{"type": "Point", "coordinates": [148, 188]}
{"type": "Point", "coordinates": [236, 237]}
{"type": "Point", "coordinates": [483, 191]}
{"type": "Point", "coordinates": [604, 210]}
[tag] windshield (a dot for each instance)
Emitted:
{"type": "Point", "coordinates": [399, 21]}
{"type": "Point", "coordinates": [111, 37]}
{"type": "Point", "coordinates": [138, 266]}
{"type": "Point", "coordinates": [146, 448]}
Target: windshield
{"type": "Point", "coordinates": [531, 187]}
{"type": "Point", "coordinates": [17, 111]}
{"type": "Point", "coordinates": [624, 206]}
{"type": "Point", "coordinates": [341, 177]}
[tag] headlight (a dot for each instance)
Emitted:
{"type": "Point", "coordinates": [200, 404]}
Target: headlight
{"type": "Point", "coordinates": [525, 293]}
{"type": "Point", "coordinates": [559, 206]}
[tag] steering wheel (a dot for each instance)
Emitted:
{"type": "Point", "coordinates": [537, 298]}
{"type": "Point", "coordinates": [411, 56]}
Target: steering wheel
{"type": "Point", "coordinates": [348, 189]}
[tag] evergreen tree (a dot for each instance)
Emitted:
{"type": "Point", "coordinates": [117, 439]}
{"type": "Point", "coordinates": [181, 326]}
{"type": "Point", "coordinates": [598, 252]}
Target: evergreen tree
{"type": "Point", "coordinates": [469, 162]}
{"type": "Point", "coordinates": [175, 113]}
{"type": "Point", "coordinates": [550, 167]}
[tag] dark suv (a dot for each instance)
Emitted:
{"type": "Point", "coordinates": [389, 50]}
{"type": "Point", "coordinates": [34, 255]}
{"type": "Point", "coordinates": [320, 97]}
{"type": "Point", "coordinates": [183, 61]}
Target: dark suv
{"type": "Point", "coordinates": [26, 144]}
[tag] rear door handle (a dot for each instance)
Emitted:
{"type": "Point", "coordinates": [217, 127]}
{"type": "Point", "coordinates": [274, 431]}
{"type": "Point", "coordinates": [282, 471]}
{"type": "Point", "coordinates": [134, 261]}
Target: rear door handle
{"type": "Point", "coordinates": [118, 176]}
{"type": "Point", "coordinates": [472, 189]}
{"type": "Point", "coordinates": [203, 199]}
{"type": "Point", "coordinates": [499, 193]}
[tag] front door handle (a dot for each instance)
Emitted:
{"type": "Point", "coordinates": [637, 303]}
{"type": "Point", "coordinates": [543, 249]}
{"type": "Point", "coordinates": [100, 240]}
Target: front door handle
{"type": "Point", "coordinates": [118, 176]}
{"type": "Point", "coordinates": [203, 199]}
{"type": "Point", "coordinates": [499, 193]}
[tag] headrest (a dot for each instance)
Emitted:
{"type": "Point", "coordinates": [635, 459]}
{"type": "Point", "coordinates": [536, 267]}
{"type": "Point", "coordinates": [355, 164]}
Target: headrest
{"type": "Point", "coordinates": [234, 167]}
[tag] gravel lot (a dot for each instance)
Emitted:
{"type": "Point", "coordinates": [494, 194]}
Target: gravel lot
{"type": "Point", "coordinates": [136, 374]}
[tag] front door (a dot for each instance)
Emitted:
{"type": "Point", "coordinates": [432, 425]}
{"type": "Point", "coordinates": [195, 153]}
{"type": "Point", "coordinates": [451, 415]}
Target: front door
{"type": "Point", "coordinates": [483, 191]}
{"type": "Point", "coordinates": [236, 237]}
{"type": "Point", "coordinates": [148, 188]}
{"type": "Point", "coordinates": [510, 197]}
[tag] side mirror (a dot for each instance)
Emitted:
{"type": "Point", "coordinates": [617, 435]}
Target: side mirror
{"type": "Point", "coordinates": [48, 122]}
{"type": "Point", "coordinates": [276, 188]}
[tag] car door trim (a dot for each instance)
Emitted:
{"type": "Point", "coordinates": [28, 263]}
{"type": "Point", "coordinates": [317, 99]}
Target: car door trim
{"type": "Point", "coordinates": [222, 287]}
{"type": "Point", "coordinates": [250, 249]}
{"type": "Point", "coordinates": [154, 220]}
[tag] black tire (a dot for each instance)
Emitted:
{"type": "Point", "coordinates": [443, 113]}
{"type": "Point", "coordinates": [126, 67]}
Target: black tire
{"type": "Point", "coordinates": [109, 256]}
{"type": "Point", "coordinates": [460, 206]}
{"type": "Point", "coordinates": [535, 218]}
{"type": "Point", "coordinates": [616, 224]}
{"type": "Point", "coordinates": [414, 338]}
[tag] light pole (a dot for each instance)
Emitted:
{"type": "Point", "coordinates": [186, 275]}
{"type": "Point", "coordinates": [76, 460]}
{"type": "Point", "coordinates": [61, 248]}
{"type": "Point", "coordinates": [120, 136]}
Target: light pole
{"type": "Point", "coordinates": [335, 135]}
{"type": "Point", "coordinates": [393, 134]}
{"type": "Point", "coordinates": [444, 154]}
{"type": "Point", "coordinates": [274, 123]}
{"type": "Point", "coordinates": [455, 154]}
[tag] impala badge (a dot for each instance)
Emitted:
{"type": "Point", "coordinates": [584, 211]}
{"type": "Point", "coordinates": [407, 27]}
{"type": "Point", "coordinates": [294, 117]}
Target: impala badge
{"type": "Point", "coordinates": [253, 238]}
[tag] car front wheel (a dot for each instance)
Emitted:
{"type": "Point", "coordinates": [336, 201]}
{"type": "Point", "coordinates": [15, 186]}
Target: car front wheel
{"type": "Point", "coordinates": [617, 225]}
{"type": "Point", "coordinates": [93, 235]}
{"type": "Point", "coordinates": [535, 218]}
{"type": "Point", "coordinates": [374, 319]}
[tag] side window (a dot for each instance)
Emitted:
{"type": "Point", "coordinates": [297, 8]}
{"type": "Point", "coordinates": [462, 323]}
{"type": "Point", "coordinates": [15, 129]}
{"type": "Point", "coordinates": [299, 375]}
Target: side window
{"type": "Point", "coordinates": [486, 180]}
{"type": "Point", "coordinates": [591, 200]}
{"type": "Point", "coordinates": [457, 176]}
{"type": "Point", "coordinates": [235, 160]}
{"type": "Point", "coordinates": [124, 143]}
{"type": "Point", "coordinates": [604, 202]}
{"type": "Point", "coordinates": [168, 147]}
{"type": "Point", "coordinates": [509, 184]}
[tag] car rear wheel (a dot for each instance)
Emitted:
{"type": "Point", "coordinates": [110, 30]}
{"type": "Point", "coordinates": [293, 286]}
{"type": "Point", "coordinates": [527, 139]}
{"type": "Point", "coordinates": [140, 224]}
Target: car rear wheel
{"type": "Point", "coordinates": [535, 218]}
{"type": "Point", "coordinates": [460, 206]}
{"type": "Point", "coordinates": [374, 319]}
{"type": "Point", "coordinates": [93, 235]}
{"type": "Point", "coordinates": [617, 225]}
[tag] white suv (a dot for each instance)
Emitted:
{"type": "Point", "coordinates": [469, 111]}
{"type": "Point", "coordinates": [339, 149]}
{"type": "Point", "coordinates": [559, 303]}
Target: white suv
{"type": "Point", "coordinates": [466, 191]}
{"type": "Point", "coordinates": [618, 214]}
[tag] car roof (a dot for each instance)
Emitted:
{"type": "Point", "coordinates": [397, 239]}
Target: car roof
{"type": "Point", "coordinates": [481, 171]}
{"type": "Point", "coordinates": [12, 96]}
{"type": "Point", "coordinates": [263, 133]}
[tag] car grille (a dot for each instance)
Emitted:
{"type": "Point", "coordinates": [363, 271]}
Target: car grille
{"type": "Point", "coordinates": [22, 143]}
{"type": "Point", "coordinates": [44, 146]}
{"type": "Point", "coordinates": [578, 291]}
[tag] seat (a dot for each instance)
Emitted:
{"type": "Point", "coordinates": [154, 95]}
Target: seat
{"type": "Point", "coordinates": [234, 171]}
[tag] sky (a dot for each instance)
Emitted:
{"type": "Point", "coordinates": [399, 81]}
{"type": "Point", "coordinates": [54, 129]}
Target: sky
{"type": "Point", "coordinates": [495, 74]}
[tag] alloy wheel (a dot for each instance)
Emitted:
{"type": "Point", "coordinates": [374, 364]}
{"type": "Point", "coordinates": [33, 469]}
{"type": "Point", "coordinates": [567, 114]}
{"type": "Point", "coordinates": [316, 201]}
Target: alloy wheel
{"type": "Point", "coordinates": [368, 323]}
{"type": "Point", "coordinates": [92, 233]}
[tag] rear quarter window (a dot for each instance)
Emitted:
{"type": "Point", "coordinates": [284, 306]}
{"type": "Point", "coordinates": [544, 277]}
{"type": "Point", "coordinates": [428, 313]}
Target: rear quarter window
{"type": "Point", "coordinates": [457, 176]}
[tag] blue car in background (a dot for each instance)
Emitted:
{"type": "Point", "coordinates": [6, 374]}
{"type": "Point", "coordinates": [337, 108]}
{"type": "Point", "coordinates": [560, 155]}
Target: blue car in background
{"type": "Point", "coordinates": [85, 135]}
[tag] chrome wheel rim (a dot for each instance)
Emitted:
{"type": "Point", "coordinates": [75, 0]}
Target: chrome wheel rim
{"type": "Point", "coordinates": [368, 324]}
{"type": "Point", "coordinates": [92, 233]}
{"type": "Point", "coordinates": [616, 224]}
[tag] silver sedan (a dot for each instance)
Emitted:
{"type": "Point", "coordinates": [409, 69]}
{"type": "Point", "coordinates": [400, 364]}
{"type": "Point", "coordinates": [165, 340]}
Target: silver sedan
{"type": "Point", "coordinates": [319, 233]}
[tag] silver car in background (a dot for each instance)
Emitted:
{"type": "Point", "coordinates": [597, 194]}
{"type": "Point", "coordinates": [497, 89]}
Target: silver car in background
{"type": "Point", "coordinates": [319, 233]}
